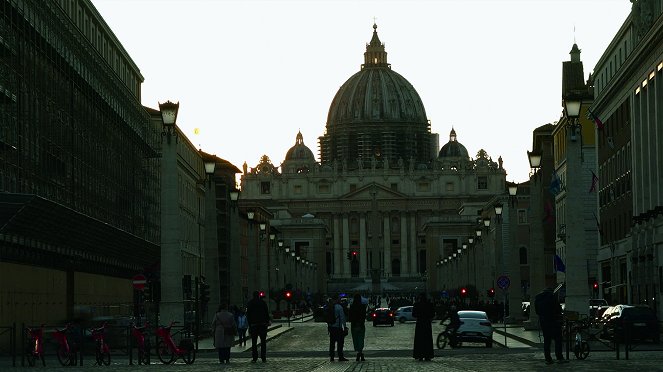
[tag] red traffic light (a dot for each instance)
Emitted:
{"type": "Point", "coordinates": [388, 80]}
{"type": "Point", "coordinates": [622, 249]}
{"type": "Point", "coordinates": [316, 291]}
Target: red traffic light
{"type": "Point", "coordinates": [288, 295]}
{"type": "Point", "coordinates": [463, 292]}
{"type": "Point", "coordinates": [596, 285]}
{"type": "Point", "coordinates": [355, 253]}
{"type": "Point", "coordinates": [261, 294]}
{"type": "Point", "coordinates": [491, 292]}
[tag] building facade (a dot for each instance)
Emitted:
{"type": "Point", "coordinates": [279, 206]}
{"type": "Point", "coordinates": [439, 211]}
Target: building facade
{"type": "Point", "coordinates": [79, 172]}
{"type": "Point", "coordinates": [627, 94]}
{"type": "Point", "coordinates": [388, 203]}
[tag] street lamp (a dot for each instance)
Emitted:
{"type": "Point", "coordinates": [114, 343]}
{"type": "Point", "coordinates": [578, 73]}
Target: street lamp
{"type": "Point", "coordinates": [486, 221]}
{"type": "Point", "coordinates": [498, 212]}
{"type": "Point", "coordinates": [168, 118]}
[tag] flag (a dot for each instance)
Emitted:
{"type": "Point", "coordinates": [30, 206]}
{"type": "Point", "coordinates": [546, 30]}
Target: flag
{"type": "Point", "coordinates": [595, 181]}
{"type": "Point", "coordinates": [597, 121]}
{"type": "Point", "coordinates": [558, 264]}
{"type": "Point", "coordinates": [555, 184]}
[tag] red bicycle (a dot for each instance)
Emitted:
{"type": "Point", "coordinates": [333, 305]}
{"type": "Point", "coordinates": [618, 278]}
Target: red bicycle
{"type": "Point", "coordinates": [35, 346]}
{"type": "Point", "coordinates": [66, 354]}
{"type": "Point", "coordinates": [143, 342]}
{"type": "Point", "coordinates": [168, 352]}
{"type": "Point", "coordinates": [102, 350]}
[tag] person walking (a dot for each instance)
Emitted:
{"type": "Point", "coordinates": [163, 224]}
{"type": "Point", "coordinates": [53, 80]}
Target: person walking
{"type": "Point", "coordinates": [357, 316]}
{"type": "Point", "coordinates": [224, 332]}
{"type": "Point", "coordinates": [242, 327]}
{"type": "Point", "coordinates": [337, 329]}
{"type": "Point", "coordinates": [549, 310]}
{"type": "Point", "coordinates": [423, 331]}
{"type": "Point", "coordinates": [257, 315]}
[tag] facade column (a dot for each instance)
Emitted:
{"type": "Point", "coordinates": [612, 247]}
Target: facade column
{"type": "Point", "coordinates": [405, 268]}
{"type": "Point", "coordinates": [338, 250]}
{"type": "Point", "coordinates": [346, 245]}
{"type": "Point", "coordinates": [386, 236]}
{"type": "Point", "coordinates": [535, 257]}
{"type": "Point", "coordinates": [363, 249]}
{"type": "Point", "coordinates": [413, 244]}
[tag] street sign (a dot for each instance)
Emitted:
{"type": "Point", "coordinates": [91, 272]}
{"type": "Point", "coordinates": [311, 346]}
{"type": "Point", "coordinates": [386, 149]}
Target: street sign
{"type": "Point", "coordinates": [139, 281]}
{"type": "Point", "coordinates": [503, 282]}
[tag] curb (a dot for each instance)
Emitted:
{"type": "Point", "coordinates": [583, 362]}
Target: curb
{"type": "Point", "coordinates": [517, 338]}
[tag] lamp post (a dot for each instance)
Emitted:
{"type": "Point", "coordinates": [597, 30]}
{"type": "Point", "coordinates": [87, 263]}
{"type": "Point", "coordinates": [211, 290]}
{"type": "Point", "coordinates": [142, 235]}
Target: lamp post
{"type": "Point", "coordinates": [536, 266]}
{"type": "Point", "coordinates": [169, 117]}
{"type": "Point", "coordinates": [576, 275]}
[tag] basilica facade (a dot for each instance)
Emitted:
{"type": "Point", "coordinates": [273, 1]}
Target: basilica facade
{"type": "Point", "coordinates": [385, 204]}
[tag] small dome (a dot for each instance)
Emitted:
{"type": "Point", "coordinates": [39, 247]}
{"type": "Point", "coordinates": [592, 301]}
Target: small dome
{"type": "Point", "coordinates": [453, 148]}
{"type": "Point", "coordinates": [299, 151]}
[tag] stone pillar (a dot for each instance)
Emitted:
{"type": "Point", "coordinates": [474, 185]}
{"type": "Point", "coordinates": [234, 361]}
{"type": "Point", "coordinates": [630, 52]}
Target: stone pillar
{"type": "Point", "coordinates": [363, 248]}
{"type": "Point", "coordinates": [536, 265]}
{"type": "Point", "coordinates": [405, 271]}
{"type": "Point", "coordinates": [346, 245]}
{"type": "Point", "coordinates": [386, 238]}
{"type": "Point", "coordinates": [413, 245]}
{"type": "Point", "coordinates": [339, 255]}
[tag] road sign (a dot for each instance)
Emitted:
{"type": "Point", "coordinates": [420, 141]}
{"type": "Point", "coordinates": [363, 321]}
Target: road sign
{"type": "Point", "coordinates": [139, 281]}
{"type": "Point", "coordinates": [503, 282]}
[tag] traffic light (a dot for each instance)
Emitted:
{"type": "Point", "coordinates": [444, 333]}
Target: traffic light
{"type": "Point", "coordinates": [204, 292]}
{"type": "Point", "coordinates": [355, 254]}
{"type": "Point", "coordinates": [261, 294]}
{"type": "Point", "coordinates": [463, 292]}
{"type": "Point", "coordinates": [491, 292]}
{"type": "Point", "coordinates": [288, 295]}
{"type": "Point", "coordinates": [595, 288]}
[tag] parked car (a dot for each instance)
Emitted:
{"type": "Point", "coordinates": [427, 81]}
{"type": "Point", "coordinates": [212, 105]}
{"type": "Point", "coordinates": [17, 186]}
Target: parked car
{"type": "Point", "coordinates": [474, 327]}
{"type": "Point", "coordinates": [640, 321]}
{"type": "Point", "coordinates": [595, 304]}
{"type": "Point", "coordinates": [404, 313]}
{"type": "Point", "coordinates": [382, 316]}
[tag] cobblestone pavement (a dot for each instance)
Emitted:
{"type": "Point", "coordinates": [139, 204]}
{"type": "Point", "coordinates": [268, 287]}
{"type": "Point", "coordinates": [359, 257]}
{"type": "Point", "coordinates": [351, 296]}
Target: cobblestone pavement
{"type": "Point", "coordinates": [303, 347]}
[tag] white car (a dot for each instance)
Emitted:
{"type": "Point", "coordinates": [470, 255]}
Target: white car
{"type": "Point", "coordinates": [404, 313]}
{"type": "Point", "coordinates": [474, 327]}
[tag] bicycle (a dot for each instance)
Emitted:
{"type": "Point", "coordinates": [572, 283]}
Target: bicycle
{"type": "Point", "coordinates": [142, 342]}
{"type": "Point", "coordinates": [102, 350]}
{"type": "Point", "coordinates": [168, 352]}
{"type": "Point", "coordinates": [446, 337]}
{"type": "Point", "coordinates": [35, 346]}
{"type": "Point", "coordinates": [580, 347]}
{"type": "Point", "coordinates": [66, 354]}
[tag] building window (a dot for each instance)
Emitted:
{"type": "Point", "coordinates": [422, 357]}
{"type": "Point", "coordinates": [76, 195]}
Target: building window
{"type": "Point", "coordinates": [482, 182]}
{"type": "Point", "coordinates": [523, 255]}
{"type": "Point", "coordinates": [323, 188]}
{"type": "Point", "coordinates": [450, 186]}
{"type": "Point", "coordinates": [265, 187]}
{"type": "Point", "coordinates": [423, 186]}
{"type": "Point", "coordinates": [396, 267]}
{"type": "Point", "coordinates": [395, 242]}
{"type": "Point", "coordinates": [522, 216]}
{"type": "Point", "coordinates": [353, 187]}
{"type": "Point", "coordinates": [297, 189]}
{"type": "Point", "coordinates": [394, 186]}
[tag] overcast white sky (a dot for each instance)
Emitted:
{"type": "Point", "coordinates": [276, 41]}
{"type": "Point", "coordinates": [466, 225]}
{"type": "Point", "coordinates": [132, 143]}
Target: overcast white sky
{"type": "Point", "coordinates": [249, 74]}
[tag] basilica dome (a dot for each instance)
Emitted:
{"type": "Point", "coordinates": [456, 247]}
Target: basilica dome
{"type": "Point", "coordinates": [376, 112]}
{"type": "Point", "coordinates": [453, 148]}
{"type": "Point", "coordinates": [299, 151]}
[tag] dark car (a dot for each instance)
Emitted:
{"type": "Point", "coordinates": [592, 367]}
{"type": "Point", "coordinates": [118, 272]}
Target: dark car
{"type": "Point", "coordinates": [639, 323]}
{"type": "Point", "coordinates": [382, 315]}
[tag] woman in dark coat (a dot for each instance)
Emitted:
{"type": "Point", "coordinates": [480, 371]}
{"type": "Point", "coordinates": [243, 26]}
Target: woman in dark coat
{"type": "Point", "coordinates": [423, 332]}
{"type": "Point", "coordinates": [357, 315]}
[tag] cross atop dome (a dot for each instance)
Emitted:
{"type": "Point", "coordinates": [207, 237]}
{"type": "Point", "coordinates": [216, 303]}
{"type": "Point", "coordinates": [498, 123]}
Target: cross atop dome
{"type": "Point", "coordinates": [375, 55]}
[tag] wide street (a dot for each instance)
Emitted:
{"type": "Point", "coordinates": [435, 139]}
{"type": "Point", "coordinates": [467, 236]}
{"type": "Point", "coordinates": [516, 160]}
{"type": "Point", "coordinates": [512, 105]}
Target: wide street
{"type": "Point", "coordinates": [303, 347]}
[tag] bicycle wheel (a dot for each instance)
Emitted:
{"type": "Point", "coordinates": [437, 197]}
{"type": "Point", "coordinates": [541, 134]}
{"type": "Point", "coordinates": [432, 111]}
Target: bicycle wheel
{"type": "Point", "coordinates": [66, 358]}
{"type": "Point", "coordinates": [581, 351]}
{"type": "Point", "coordinates": [442, 340]}
{"type": "Point", "coordinates": [165, 355]}
{"type": "Point", "coordinates": [189, 356]}
{"type": "Point", "coordinates": [103, 357]}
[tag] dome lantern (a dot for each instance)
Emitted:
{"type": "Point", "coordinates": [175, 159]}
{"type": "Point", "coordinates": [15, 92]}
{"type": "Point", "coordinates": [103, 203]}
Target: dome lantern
{"type": "Point", "coordinates": [375, 54]}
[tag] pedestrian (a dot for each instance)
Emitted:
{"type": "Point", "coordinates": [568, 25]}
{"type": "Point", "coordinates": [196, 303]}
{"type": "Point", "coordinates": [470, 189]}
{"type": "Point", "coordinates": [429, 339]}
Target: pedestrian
{"type": "Point", "coordinates": [257, 315]}
{"type": "Point", "coordinates": [423, 331]}
{"type": "Point", "coordinates": [549, 310]}
{"type": "Point", "coordinates": [357, 316]}
{"type": "Point", "coordinates": [224, 332]}
{"type": "Point", "coordinates": [242, 327]}
{"type": "Point", "coordinates": [337, 329]}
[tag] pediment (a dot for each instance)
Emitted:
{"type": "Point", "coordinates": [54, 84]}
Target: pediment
{"type": "Point", "coordinates": [366, 193]}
